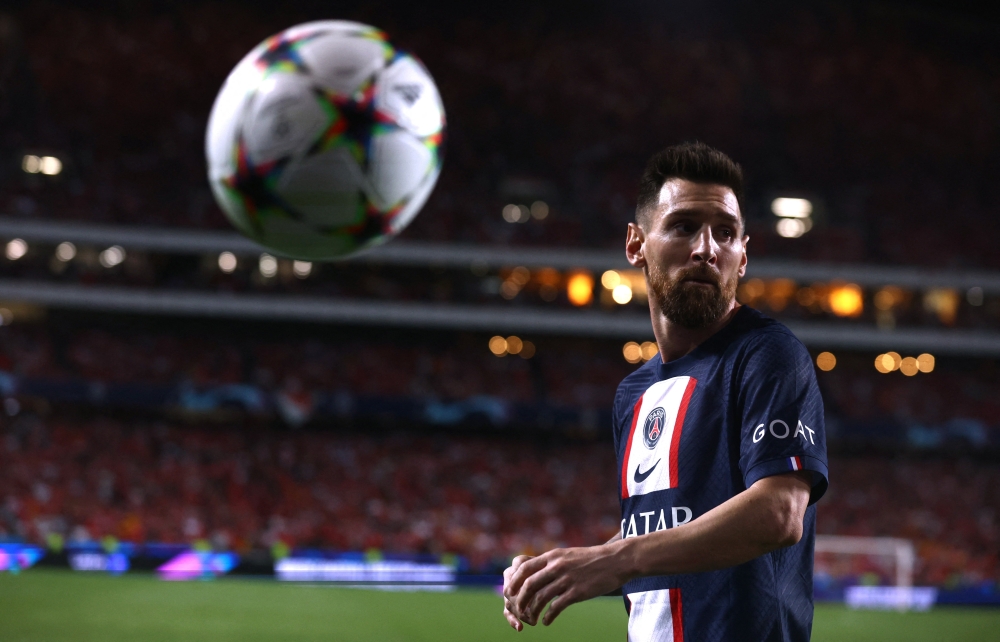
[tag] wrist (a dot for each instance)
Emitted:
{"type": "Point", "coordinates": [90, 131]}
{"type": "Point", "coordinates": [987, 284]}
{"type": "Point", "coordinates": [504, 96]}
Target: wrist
{"type": "Point", "coordinates": [626, 559]}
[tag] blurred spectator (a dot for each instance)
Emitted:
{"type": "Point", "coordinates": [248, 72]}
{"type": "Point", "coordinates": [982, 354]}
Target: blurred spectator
{"type": "Point", "coordinates": [484, 498]}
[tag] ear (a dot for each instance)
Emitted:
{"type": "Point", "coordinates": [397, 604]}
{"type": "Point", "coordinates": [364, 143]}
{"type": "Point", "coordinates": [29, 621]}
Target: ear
{"type": "Point", "coordinates": [743, 259]}
{"type": "Point", "coordinates": [635, 246]}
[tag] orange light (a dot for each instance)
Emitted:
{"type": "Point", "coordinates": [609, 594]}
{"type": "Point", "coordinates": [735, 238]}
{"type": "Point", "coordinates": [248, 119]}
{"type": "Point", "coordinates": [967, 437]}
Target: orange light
{"type": "Point", "coordinates": [826, 361]}
{"type": "Point", "coordinates": [498, 346]}
{"type": "Point", "coordinates": [846, 300]}
{"type": "Point", "coordinates": [580, 289]}
{"type": "Point", "coordinates": [632, 352]}
{"type": "Point", "coordinates": [909, 366]}
{"type": "Point", "coordinates": [925, 362]}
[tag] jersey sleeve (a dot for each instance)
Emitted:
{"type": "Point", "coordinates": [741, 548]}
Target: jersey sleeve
{"type": "Point", "coordinates": [781, 411]}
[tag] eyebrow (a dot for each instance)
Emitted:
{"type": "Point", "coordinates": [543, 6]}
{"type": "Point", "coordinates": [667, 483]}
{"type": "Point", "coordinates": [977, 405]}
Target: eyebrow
{"type": "Point", "coordinates": [701, 212]}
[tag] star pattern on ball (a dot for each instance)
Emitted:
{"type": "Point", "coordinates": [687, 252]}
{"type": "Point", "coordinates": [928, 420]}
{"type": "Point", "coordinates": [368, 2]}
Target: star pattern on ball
{"type": "Point", "coordinates": [282, 53]}
{"type": "Point", "coordinates": [354, 121]}
{"type": "Point", "coordinates": [253, 185]}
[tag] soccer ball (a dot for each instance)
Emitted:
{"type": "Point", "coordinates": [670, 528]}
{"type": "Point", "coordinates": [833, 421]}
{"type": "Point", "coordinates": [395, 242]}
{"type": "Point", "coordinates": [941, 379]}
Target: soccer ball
{"type": "Point", "coordinates": [325, 140]}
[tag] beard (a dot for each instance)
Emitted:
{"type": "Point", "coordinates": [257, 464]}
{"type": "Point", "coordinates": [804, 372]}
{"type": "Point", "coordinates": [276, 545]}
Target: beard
{"type": "Point", "coordinates": [692, 305]}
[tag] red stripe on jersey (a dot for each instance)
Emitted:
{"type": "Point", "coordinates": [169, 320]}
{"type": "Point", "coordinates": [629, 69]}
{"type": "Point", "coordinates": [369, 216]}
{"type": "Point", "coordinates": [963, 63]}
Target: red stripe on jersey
{"type": "Point", "coordinates": [675, 439]}
{"type": "Point", "coordinates": [628, 448]}
{"type": "Point", "coordinates": [677, 614]}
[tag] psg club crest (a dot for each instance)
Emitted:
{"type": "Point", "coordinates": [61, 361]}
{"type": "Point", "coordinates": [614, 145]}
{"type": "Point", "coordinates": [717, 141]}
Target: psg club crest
{"type": "Point", "coordinates": [654, 427]}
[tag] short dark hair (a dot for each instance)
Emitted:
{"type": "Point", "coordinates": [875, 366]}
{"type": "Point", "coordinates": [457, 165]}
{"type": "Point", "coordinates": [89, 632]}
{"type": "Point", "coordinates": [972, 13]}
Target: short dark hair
{"type": "Point", "coordinates": [696, 162]}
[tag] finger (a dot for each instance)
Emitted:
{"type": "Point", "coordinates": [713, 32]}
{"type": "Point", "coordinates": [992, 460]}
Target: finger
{"type": "Point", "coordinates": [542, 597]}
{"type": "Point", "coordinates": [558, 606]}
{"type": "Point", "coordinates": [520, 559]}
{"type": "Point", "coordinates": [514, 564]}
{"type": "Point", "coordinates": [514, 622]}
{"type": "Point", "coordinates": [530, 587]}
{"type": "Point", "coordinates": [524, 571]}
{"type": "Point", "coordinates": [509, 607]}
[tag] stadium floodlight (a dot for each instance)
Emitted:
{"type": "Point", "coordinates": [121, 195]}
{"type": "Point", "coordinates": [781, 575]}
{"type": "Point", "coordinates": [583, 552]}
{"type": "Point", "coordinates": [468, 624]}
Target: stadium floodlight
{"type": "Point", "coordinates": [622, 294]}
{"type": "Point", "coordinates": [65, 251]}
{"type": "Point", "coordinates": [112, 256]}
{"type": "Point", "coordinates": [302, 269]}
{"type": "Point", "coordinates": [16, 248]}
{"type": "Point", "coordinates": [791, 228]}
{"type": "Point", "coordinates": [50, 165]}
{"type": "Point", "coordinates": [31, 164]}
{"type": "Point", "coordinates": [268, 265]}
{"type": "Point", "coordinates": [227, 262]}
{"type": "Point", "coordinates": [799, 208]}
{"type": "Point", "coordinates": [517, 213]}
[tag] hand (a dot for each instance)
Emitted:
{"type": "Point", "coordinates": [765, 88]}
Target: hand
{"type": "Point", "coordinates": [508, 608]}
{"type": "Point", "coordinates": [562, 576]}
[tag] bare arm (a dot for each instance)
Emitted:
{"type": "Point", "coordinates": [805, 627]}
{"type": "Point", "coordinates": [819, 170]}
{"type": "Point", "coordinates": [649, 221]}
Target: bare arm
{"type": "Point", "coordinates": [765, 517]}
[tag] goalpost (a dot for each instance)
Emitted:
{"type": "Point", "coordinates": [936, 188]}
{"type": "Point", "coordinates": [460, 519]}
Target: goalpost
{"type": "Point", "coordinates": [901, 550]}
{"type": "Point", "coordinates": [902, 595]}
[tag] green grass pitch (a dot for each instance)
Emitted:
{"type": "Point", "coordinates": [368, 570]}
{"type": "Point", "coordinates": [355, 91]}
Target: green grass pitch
{"type": "Point", "coordinates": [51, 606]}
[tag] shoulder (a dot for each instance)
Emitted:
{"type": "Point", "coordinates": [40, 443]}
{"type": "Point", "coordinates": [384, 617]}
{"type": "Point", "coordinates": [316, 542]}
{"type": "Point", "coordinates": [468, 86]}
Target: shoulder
{"type": "Point", "coordinates": [632, 387]}
{"type": "Point", "coordinates": [761, 338]}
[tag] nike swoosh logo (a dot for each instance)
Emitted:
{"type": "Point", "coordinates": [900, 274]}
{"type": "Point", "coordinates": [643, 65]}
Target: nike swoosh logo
{"type": "Point", "coordinates": [640, 476]}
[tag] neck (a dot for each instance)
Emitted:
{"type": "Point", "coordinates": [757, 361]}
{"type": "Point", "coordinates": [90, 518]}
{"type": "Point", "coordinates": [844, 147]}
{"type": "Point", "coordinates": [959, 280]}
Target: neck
{"type": "Point", "coordinates": [675, 341]}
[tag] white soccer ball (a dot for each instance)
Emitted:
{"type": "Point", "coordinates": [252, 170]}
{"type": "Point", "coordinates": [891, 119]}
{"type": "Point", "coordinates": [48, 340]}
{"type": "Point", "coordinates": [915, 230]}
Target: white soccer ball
{"type": "Point", "coordinates": [325, 140]}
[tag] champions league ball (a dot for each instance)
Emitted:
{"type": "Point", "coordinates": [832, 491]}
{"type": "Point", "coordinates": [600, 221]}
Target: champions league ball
{"type": "Point", "coordinates": [325, 140]}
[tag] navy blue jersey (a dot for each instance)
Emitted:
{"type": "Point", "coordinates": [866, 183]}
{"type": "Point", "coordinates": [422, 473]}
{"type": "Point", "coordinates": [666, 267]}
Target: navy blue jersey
{"type": "Point", "coordinates": [693, 433]}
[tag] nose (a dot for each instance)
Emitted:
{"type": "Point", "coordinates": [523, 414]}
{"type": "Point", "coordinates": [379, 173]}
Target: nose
{"type": "Point", "coordinates": [704, 248]}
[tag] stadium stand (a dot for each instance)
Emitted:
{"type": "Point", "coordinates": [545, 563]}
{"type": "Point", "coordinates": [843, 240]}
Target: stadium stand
{"type": "Point", "coordinates": [482, 497]}
{"type": "Point", "coordinates": [354, 439]}
{"type": "Point", "coordinates": [208, 368]}
{"type": "Point", "coordinates": [134, 147]}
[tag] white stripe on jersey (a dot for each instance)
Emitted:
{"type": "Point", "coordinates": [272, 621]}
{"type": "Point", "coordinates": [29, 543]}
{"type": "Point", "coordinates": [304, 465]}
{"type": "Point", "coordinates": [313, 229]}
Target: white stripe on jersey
{"type": "Point", "coordinates": [651, 618]}
{"type": "Point", "coordinates": [668, 395]}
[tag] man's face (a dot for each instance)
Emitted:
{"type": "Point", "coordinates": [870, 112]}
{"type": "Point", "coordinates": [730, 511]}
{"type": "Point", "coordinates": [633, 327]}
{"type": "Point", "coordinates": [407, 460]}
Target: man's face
{"type": "Point", "coordinates": [693, 250]}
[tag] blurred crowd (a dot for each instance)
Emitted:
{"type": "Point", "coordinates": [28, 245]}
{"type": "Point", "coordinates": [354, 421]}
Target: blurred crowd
{"type": "Point", "coordinates": [885, 118]}
{"type": "Point", "coordinates": [480, 497]}
{"type": "Point", "coordinates": [447, 379]}
{"type": "Point", "coordinates": [238, 488]}
{"type": "Point", "coordinates": [579, 373]}
{"type": "Point", "coordinates": [949, 508]}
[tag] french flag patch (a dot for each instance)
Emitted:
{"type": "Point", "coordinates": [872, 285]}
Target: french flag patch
{"type": "Point", "coordinates": [795, 463]}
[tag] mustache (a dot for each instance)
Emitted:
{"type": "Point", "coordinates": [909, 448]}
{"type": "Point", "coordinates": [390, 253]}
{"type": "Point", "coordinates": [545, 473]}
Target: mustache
{"type": "Point", "coordinates": [700, 274]}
